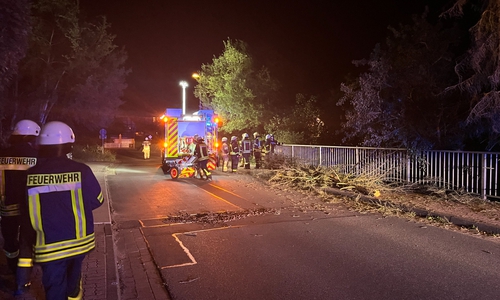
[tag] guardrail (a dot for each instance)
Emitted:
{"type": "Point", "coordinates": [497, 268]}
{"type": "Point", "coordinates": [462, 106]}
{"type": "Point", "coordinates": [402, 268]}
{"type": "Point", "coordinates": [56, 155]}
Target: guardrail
{"type": "Point", "coordinates": [473, 172]}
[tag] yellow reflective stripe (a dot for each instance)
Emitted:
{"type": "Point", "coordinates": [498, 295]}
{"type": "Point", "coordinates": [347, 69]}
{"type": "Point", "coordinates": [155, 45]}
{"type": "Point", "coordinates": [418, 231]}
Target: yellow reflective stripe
{"type": "Point", "coordinates": [25, 262]}
{"type": "Point", "coordinates": [65, 253]}
{"type": "Point", "coordinates": [68, 244]}
{"type": "Point", "coordinates": [36, 218]}
{"type": "Point", "coordinates": [100, 197]}
{"type": "Point", "coordinates": [78, 213]}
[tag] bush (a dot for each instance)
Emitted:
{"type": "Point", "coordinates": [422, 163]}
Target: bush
{"type": "Point", "coordinates": [92, 153]}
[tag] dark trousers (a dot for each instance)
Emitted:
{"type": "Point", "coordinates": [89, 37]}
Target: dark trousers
{"type": "Point", "coordinates": [61, 278]}
{"type": "Point", "coordinates": [258, 159]}
{"type": "Point", "coordinates": [234, 162]}
{"type": "Point", "coordinates": [203, 168]}
{"type": "Point", "coordinates": [246, 160]}
{"type": "Point", "coordinates": [10, 233]}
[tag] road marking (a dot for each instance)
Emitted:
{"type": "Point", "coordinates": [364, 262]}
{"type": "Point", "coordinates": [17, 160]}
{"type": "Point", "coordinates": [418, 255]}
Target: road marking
{"type": "Point", "coordinates": [186, 250]}
{"type": "Point", "coordinates": [220, 198]}
{"type": "Point", "coordinates": [229, 192]}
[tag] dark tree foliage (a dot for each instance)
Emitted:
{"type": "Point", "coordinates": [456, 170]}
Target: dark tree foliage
{"type": "Point", "coordinates": [72, 72]}
{"type": "Point", "coordinates": [479, 70]}
{"type": "Point", "coordinates": [14, 30]}
{"type": "Point", "coordinates": [301, 123]}
{"type": "Point", "coordinates": [397, 102]}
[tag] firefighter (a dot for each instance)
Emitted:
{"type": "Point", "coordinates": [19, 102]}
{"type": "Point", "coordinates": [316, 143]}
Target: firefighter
{"type": "Point", "coordinates": [246, 150]}
{"type": "Point", "coordinates": [272, 143]}
{"type": "Point", "coordinates": [201, 153]}
{"type": "Point", "coordinates": [61, 194]}
{"type": "Point", "coordinates": [240, 157]}
{"type": "Point", "coordinates": [13, 184]}
{"type": "Point", "coordinates": [257, 150]}
{"type": "Point", "coordinates": [225, 154]}
{"type": "Point", "coordinates": [267, 144]}
{"type": "Point", "coordinates": [234, 152]}
{"type": "Point", "coordinates": [146, 148]}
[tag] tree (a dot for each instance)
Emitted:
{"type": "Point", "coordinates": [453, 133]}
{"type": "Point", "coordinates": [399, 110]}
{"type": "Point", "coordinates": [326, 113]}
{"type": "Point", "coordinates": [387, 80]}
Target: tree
{"type": "Point", "coordinates": [73, 72]}
{"type": "Point", "coordinates": [14, 21]}
{"type": "Point", "coordinates": [233, 87]}
{"type": "Point", "coordinates": [301, 125]}
{"type": "Point", "coordinates": [397, 101]}
{"type": "Point", "coordinates": [15, 27]}
{"type": "Point", "coordinates": [479, 70]}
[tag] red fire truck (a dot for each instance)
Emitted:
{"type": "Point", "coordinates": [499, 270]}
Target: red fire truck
{"type": "Point", "coordinates": [179, 144]}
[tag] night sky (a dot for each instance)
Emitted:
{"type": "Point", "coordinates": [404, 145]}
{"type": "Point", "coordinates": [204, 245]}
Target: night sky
{"type": "Point", "coordinates": [308, 45]}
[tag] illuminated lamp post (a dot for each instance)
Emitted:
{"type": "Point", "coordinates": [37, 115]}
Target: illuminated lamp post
{"type": "Point", "coordinates": [196, 76]}
{"type": "Point", "coordinates": [184, 86]}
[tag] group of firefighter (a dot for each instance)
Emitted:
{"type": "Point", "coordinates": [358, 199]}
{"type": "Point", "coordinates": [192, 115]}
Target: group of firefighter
{"type": "Point", "coordinates": [46, 208]}
{"type": "Point", "coordinates": [239, 153]}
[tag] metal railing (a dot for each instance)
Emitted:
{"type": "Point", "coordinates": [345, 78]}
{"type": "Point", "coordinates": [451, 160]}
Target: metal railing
{"type": "Point", "coordinates": [472, 172]}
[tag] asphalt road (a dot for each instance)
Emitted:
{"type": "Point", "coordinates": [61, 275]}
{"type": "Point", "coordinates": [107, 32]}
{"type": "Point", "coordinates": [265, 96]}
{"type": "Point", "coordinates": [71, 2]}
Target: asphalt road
{"type": "Point", "coordinates": [277, 246]}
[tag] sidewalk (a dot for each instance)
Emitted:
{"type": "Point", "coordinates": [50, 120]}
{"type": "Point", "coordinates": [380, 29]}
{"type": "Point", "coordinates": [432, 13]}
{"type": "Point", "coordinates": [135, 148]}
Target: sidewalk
{"type": "Point", "coordinates": [108, 273]}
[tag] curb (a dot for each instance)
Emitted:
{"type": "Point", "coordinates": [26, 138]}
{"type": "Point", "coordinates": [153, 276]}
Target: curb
{"type": "Point", "coordinates": [458, 221]}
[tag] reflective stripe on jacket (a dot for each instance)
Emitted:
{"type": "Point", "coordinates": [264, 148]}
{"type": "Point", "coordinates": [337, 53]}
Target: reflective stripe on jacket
{"type": "Point", "coordinates": [247, 146]}
{"type": "Point", "coordinates": [14, 161]}
{"type": "Point", "coordinates": [61, 196]}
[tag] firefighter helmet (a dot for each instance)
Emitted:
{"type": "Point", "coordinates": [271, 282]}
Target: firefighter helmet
{"type": "Point", "coordinates": [234, 138]}
{"type": "Point", "coordinates": [56, 133]}
{"type": "Point", "coordinates": [26, 127]}
{"type": "Point", "coordinates": [224, 139]}
{"type": "Point", "coordinates": [245, 136]}
{"type": "Point", "coordinates": [256, 135]}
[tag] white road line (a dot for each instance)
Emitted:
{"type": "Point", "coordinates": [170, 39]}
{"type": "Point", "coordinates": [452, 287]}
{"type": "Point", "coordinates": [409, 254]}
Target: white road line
{"type": "Point", "coordinates": [186, 250]}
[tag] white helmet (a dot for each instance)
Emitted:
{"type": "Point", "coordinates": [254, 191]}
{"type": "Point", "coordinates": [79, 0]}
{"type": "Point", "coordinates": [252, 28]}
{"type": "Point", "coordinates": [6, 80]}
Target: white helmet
{"type": "Point", "coordinates": [234, 138]}
{"type": "Point", "coordinates": [26, 127]}
{"type": "Point", "coordinates": [268, 136]}
{"type": "Point", "coordinates": [146, 139]}
{"type": "Point", "coordinates": [255, 135]}
{"type": "Point", "coordinates": [224, 139]}
{"type": "Point", "coordinates": [56, 133]}
{"type": "Point", "coordinates": [245, 135]}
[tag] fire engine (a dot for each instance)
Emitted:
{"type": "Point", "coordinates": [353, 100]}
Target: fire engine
{"type": "Point", "coordinates": [178, 148]}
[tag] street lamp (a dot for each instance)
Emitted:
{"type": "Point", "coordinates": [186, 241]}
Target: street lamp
{"type": "Point", "coordinates": [196, 76]}
{"type": "Point", "coordinates": [184, 86]}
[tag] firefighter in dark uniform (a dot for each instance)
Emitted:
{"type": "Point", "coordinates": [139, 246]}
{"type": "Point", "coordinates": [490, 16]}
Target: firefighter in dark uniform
{"type": "Point", "coordinates": [246, 150]}
{"type": "Point", "coordinates": [267, 144]}
{"type": "Point", "coordinates": [272, 142]}
{"type": "Point", "coordinates": [257, 150]}
{"type": "Point", "coordinates": [225, 154]}
{"type": "Point", "coordinates": [201, 152]}
{"type": "Point", "coordinates": [234, 152]}
{"type": "Point", "coordinates": [58, 230]}
{"type": "Point", "coordinates": [14, 161]}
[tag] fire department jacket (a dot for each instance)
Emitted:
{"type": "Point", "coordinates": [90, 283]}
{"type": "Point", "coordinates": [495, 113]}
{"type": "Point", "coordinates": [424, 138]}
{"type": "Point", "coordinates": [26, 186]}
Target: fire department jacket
{"type": "Point", "coordinates": [201, 151]}
{"type": "Point", "coordinates": [61, 194]}
{"type": "Point", "coordinates": [234, 148]}
{"type": "Point", "coordinates": [14, 161]}
{"type": "Point", "coordinates": [246, 146]}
